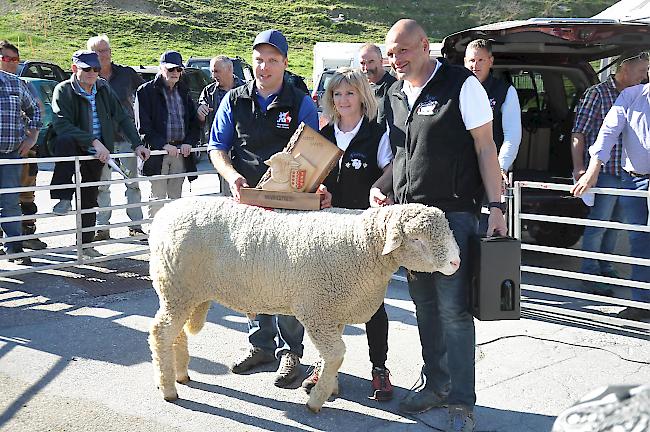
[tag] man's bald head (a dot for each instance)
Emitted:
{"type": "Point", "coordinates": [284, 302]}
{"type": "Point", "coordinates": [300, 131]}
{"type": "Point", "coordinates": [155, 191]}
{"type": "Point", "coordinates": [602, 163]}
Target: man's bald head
{"type": "Point", "coordinates": [408, 51]}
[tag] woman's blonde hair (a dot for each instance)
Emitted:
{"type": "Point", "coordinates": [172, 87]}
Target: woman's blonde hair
{"type": "Point", "coordinates": [359, 82]}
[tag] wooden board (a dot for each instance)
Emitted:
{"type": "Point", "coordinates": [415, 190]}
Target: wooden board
{"type": "Point", "coordinates": [278, 199]}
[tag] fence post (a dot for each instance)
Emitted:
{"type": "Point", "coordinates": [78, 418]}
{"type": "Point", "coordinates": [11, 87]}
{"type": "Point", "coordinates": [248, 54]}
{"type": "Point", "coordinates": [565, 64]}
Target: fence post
{"type": "Point", "coordinates": [517, 211]}
{"type": "Point", "coordinates": [77, 197]}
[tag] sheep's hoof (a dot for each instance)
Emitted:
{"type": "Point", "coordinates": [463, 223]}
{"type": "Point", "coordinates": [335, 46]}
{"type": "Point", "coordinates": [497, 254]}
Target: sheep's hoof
{"type": "Point", "coordinates": [315, 410]}
{"type": "Point", "coordinates": [183, 380]}
{"type": "Point", "coordinates": [171, 398]}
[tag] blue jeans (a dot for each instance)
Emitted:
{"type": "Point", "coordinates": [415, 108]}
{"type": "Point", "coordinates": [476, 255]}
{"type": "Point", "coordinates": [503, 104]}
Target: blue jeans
{"type": "Point", "coordinates": [596, 239]}
{"type": "Point", "coordinates": [636, 212]}
{"type": "Point", "coordinates": [262, 333]}
{"type": "Point", "coordinates": [445, 324]}
{"type": "Point", "coordinates": [9, 202]}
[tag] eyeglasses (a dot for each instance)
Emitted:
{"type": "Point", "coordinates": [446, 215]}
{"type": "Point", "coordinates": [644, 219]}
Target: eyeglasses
{"type": "Point", "coordinates": [10, 59]}
{"type": "Point", "coordinates": [175, 69]}
{"type": "Point", "coordinates": [102, 51]}
{"type": "Point", "coordinates": [94, 69]}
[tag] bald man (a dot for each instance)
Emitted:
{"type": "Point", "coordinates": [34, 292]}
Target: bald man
{"type": "Point", "coordinates": [441, 132]}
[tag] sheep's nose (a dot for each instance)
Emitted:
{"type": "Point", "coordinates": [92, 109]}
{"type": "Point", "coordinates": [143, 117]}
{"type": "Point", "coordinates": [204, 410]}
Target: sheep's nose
{"type": "Point", "coordinates": [455, 263]}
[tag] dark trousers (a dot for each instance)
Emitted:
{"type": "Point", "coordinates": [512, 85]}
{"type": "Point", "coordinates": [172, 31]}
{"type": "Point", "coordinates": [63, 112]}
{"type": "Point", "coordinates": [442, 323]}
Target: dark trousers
{"type": "Point", "coordinates": [91, 171]}
{"type": "Point", "coordinates": [377, 332]}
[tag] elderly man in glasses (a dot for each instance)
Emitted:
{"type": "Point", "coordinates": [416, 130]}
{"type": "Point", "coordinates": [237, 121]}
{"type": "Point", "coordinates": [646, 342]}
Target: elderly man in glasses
{"type": "Point", "coordinates": [17, 137]}
{"type": "Point", "coordinates": [10, 62]}
{"type": "Point", "coordinates": [86, 114]}
{"type": "Point", "coordinates": [592, 109]}
{"type": "Point", "coordinates": [167, 120]}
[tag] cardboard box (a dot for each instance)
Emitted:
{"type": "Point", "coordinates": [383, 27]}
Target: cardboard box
{"type": "Point", "coordinates": [295, 173]}
{"type": "Point", "coordinates": [278, 199]}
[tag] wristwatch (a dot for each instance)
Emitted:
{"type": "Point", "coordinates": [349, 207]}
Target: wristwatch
{"type": "Point", "coordinates": [500, 205]}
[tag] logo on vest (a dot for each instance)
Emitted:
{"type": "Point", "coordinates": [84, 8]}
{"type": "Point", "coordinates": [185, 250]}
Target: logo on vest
{"type": "Point", "coordinates": [284, 119]}
{"type": "Point", "coordinates": [493, 103]}
{"type": "Point", "coordinates": [428, 106]}
{"type": "Point", "coordinates": [356, 163]}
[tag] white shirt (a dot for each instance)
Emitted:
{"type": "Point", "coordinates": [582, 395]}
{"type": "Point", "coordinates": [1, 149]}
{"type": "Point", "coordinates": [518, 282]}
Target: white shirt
{"type": "Point", "coordinates": [473, 100]}
{"type": "Point", "coordinates": [511, 124]}
{"type": "Point", "coordinates": [384, 152]}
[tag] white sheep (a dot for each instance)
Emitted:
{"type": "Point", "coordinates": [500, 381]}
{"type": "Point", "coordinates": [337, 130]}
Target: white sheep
{"type": "Point", "coordinates": [327, 268]}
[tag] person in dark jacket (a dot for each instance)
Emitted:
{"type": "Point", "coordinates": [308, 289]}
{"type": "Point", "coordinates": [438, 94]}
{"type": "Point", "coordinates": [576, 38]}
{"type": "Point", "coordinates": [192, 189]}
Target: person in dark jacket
{"type": "Point", "coordinates": [366, 164]}
{"type": "Point", "coordinates": [371, 61]}
{"type": "Point", "coordinates": [86, 112]}
{"type": "Point", "coordinates": [166, 118]}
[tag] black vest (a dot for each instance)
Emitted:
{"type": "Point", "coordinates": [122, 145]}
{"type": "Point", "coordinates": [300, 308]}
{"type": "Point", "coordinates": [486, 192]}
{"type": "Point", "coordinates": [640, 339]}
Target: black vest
{"type": "Point", "coordinates": [259, 135]}
{"type": "Point", "coordinates": [350, 182]}
{"type": "Point", "coordinates": [381, 89]}
{"type": "Point", "coordinates": [435, 161]}
{"type": "Point", "coordinates": [496, 89]}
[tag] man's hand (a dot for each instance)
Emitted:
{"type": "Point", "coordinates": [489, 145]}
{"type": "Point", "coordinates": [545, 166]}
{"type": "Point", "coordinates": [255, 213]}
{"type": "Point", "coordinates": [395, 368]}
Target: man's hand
{"type": "Point", "coordinates": [585, 182]}
{"type": "Point", "coordinates": [378, 199]}
{"type": "Point", "coordinates": [101, 152]}
{"type": "Point", "coordinates": [142, 152]}
{"type": "Point", "coordinates": [235, 185]}
{"type": "Point", "coordinates": [202, 111]}
{"type": "Point", "coordinates": [578, 173]}
{"type": "Point", "coordinates": [26, 146]}
{"type": "Point", "coordinates": [186, 149]}
{"type": "Point", "coordinates": [171, 150]}
{"type": "Point", "coordinates": [325, 197]}
{"type": "Point", "coordinates": [496, 223]}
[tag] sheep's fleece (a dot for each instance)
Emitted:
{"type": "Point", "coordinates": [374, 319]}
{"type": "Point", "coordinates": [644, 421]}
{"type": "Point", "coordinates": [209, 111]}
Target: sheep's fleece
{"type": "Point", "coordinates": [328, 268]}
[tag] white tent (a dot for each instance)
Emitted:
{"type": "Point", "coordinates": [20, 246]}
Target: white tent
{"type": "Point", "coordinates": [628, 10]}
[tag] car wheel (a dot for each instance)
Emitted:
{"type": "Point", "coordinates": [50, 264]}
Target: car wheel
{"type": "Point", "coordinates": [556, 235]}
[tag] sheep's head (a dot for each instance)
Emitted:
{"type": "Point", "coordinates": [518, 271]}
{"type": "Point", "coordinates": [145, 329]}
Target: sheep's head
{"type": "Point", "coordinates": [420, 239]}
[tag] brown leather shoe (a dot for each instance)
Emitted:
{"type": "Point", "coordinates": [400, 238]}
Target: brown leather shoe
{"type": "Point", "coordinates": [255, 356]}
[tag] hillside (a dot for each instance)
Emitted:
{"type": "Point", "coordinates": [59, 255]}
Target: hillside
{"type": "Point", "coordinates": [141, 29]}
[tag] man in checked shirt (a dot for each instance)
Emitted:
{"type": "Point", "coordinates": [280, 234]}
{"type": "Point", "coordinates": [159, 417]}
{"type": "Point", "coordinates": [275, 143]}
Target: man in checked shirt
{"type": "Point", "coordinates": [593, 107]}
{"type": "Point", "coordinates": [20, 120]}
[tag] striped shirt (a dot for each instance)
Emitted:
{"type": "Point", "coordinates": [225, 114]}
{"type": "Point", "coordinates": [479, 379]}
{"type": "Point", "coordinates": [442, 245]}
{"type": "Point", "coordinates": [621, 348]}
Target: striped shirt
{"type": "Point", "coordinates": [18, 110]}
{"type": "Point", "coordinates": [590, 113]}
{"type": "Point", "coordinates": [90, 97]}
{"type": "Point", "coordinates": [175, 117]}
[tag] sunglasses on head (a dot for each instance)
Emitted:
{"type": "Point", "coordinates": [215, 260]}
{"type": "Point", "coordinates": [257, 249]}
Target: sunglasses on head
{"type": "Point", "coordinates": [641, 56]}
{"type": "Point", "coordinates": [175, 69]}
{"type": "Point", "coordinates": [94, 69]}
{"type": "Point", "coordinates": [10, 59]}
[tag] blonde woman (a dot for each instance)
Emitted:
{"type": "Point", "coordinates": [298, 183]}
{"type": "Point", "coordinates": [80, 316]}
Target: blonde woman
{"type": "Point", "coordinates": [366, 165]}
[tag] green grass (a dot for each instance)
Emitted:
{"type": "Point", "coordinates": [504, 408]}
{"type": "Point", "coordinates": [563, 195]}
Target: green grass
{"type": "Point", "coordinates": [141, 29]}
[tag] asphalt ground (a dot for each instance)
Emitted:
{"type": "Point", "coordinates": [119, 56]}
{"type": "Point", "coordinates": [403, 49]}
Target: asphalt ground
{"type": "Point", "coordinates": [74, 357]}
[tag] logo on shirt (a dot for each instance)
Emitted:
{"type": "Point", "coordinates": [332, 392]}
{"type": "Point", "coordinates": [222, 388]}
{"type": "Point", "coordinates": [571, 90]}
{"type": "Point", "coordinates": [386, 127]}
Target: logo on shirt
{"type": "Point", "coordinates": [284, 119]}
{"type": "Point", "coordinates": [428, 106]}
{"type": "Point", "coordinates": [357, 161]}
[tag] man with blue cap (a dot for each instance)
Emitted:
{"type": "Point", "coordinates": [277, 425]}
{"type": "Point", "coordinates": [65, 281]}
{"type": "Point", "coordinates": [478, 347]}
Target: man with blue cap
{"type": "Point", "coordinates": [166, 117]}
{"type": "Point", "coordinates": [253, 122]}
{"type": "Point", "coordinates": [86, 114]}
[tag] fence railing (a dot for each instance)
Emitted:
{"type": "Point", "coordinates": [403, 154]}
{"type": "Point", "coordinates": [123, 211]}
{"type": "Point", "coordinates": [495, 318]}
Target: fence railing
{"type": "Point", "coordinates": [49, 228]}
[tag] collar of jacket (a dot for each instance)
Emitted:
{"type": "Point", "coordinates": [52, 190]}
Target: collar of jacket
{"type": "Point", "coordinates": [283, 99]}
{"type": "Point", "coordinates": [397, 92]}
{"type": "Point", "coordinates": [159, 82]}
{"type": "Point", "coordinates": [76, 87]}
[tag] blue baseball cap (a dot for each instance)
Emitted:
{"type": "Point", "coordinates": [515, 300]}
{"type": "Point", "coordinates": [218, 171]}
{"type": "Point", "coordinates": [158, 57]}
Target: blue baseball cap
{"type": "Point", "coordinates": [170, 59]}
{"type": "Point", "coordinates": [273, 38]}
{"type": "Point", "coordinates": [85, 59]}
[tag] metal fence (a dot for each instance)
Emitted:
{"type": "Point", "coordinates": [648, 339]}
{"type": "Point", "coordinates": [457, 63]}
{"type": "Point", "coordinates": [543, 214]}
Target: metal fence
{"type": "Point", "coordinates": [49, 228]}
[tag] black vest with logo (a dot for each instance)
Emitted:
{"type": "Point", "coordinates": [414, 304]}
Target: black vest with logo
{"type": "Point", "coordinates": [496, 89]}
{"type": "Point", "coordinates": [435, 160]}
{"type": "Point", "coordinates": [259, 135]}
{"type": "Point", "coordinates": [350, 181]}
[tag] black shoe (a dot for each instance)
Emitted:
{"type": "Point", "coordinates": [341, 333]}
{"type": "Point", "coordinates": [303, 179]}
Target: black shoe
{"type": "Point", "coordinates": [635, 314]}
{"type": "Point", "coordinates": [138, 232]}
{"type": "Point", "coordinates": [34, 244]}
{"type": "Point", "coordinates": [102, 235]}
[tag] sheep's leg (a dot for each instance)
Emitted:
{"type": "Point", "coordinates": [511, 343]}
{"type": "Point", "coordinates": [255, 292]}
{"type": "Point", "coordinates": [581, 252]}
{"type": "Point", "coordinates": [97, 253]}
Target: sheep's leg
{"type": "Point", "coordinates": [182, 357]}
{"type": "Point", "coordinates": [164, 331]}
{"type": "Point", "coordinates": [331, 348]}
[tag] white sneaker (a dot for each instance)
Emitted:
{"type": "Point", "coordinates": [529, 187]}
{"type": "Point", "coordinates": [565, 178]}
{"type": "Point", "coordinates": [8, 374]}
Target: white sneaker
{"type": "Point", "coordinates": [62, 207]}
{"type": "Point", "coordinates": [91, 252]}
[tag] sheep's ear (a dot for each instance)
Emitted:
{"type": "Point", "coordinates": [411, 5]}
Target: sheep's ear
{"type": "Point", "coordinates": [268, 162]}
{"type": "Point", "coordinates": [394, 236]}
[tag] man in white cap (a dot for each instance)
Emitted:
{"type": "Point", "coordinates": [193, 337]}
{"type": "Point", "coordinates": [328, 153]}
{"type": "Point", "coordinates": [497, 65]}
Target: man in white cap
{"type": "Point", "coordinates": [254, 122]}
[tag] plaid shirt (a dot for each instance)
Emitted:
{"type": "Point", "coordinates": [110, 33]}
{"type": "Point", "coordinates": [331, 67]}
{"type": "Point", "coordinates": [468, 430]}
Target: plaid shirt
{"type": "Point", "coordinates": [175, 118]}
{"type": "Point", "coordinates": [590, 113]}
{"type": "Point", "coordinates": [18, 110]}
